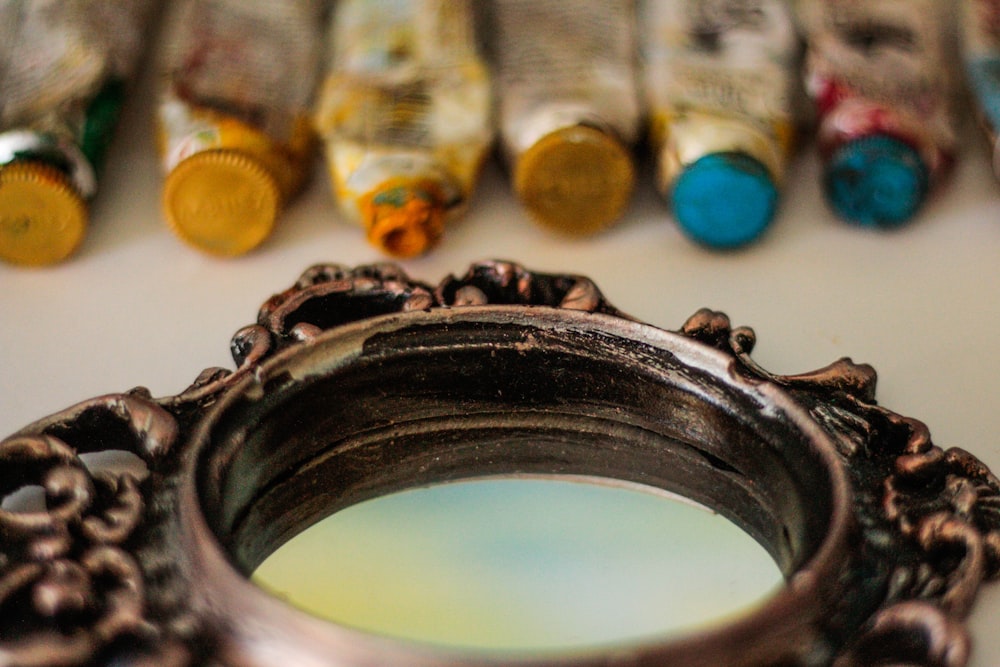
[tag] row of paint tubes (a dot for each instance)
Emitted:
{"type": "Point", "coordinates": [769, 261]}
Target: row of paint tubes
{"type": "Point", "coordinates": [412, 94]}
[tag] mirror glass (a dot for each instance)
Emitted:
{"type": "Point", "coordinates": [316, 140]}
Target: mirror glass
{"type": "Point", "coordinates": [525, 563]}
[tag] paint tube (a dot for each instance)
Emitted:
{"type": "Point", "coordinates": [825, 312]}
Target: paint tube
{"type": "Point", "coordinates": [569, 109]}
{"type": "Point", "coordinates": [880, 74]}
{"type": "Point", "coordinates": [64, 69]}
{"type": "Point", "coordinates": [233, 116]}
{"type": "Point", "coordinates": [405, 117]}
{"type": "Point", "coordinates": [720, 78]}
{"type": "Point", "coordinates": [980, 34]}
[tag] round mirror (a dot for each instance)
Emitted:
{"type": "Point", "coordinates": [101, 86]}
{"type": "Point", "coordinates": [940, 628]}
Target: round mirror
{"type": "Point", "coordinates": [527, 563]}
{"type": "Point", "coordinates": [433, 398]}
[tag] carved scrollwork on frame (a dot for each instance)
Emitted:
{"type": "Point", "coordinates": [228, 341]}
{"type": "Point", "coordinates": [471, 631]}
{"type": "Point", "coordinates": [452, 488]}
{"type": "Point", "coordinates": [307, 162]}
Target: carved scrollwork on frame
{"type": "Point", "coordinates": [92, 571]}
{"type": "Point", "coordinates": [72, 590]}
{"type": "Point", "coordinates": [944, 504]}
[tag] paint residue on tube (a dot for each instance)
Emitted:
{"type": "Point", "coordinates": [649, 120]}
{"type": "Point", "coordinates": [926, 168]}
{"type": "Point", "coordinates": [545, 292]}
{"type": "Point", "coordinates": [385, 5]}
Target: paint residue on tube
{"type": "Point", "coordinates": [405, 114]}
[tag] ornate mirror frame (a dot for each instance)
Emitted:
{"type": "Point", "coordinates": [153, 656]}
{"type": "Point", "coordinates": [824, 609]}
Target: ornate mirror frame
{"type": "Point", "coordinates": [357, 382]}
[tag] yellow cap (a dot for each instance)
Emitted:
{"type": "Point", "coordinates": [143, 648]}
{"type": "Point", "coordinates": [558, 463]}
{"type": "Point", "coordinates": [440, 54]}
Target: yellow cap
{"type": "Point", "coordinates": [42, 217]}
{"type": "Point", "coordinates": [404, 218]}
{"type": "Point", "coordinates": [221, 201]}
{"type": "Point", "coordinates": [576, 179]}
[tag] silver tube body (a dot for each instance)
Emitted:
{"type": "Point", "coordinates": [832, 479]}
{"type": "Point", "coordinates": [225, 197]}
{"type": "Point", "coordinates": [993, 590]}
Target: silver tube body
{"type": "Point", "coordinates": [562, 63]}
{"type": "Point", "coordinates": [56, 58]}
{"type": "Point", "coordinates": [406, 97]}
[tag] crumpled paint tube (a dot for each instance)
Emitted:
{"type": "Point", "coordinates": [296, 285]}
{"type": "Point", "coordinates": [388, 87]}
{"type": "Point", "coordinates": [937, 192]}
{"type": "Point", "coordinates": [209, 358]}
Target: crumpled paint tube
{"type": "Point", "coordinates": [720, 79]}
{"type": "Point", "coordinates": [980, 37]}
{"type": "Point", "coordinates": [569, 111]}
{"type": "Point", "coordinates": [64, 69]}
{"type": "Point", "coordinates": [880, 73]}
{"type": "Point", "coordinates": [405, 116]}
{"type": "Point", "coordinates": [234, 132]}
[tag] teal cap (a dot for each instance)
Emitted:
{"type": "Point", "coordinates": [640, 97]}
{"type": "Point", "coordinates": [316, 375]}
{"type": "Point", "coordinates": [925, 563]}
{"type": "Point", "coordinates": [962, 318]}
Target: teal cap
{"type": "Point", "coordinates": [876, 181]}
{"type": "Point", "coordinates": [724, 200]}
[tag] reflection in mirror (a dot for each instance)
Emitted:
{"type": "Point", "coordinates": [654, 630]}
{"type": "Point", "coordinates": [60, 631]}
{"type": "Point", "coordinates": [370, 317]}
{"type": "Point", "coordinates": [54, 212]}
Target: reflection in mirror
{"type": "Point", "coordinates": [523, 563]}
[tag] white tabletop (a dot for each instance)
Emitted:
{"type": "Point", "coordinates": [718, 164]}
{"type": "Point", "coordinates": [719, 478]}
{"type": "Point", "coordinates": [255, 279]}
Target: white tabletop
{"type": "Point", "coordinates": [922, 304]}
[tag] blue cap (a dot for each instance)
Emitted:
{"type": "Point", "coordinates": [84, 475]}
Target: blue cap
{"type": "Point", "coordinates": [724, 200]}
{"type": "Point", "coordinates": [876, 181]}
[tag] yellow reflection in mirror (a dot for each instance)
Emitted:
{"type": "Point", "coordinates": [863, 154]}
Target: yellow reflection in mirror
{"type": "Point", "coordinates": [523, 564]}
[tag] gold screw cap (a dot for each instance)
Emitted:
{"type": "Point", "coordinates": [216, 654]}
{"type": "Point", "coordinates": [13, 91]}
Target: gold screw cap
{"type": "Point", "coordinates": [221, 201]}
{"type": "Point", "coordinates": [42, 217]}
{"type": "Point", "coordinates": [577, 179]}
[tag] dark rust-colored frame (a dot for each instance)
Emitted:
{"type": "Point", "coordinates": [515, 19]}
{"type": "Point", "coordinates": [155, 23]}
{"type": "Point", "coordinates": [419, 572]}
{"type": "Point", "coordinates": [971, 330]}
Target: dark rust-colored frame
{"type": "Point", "coordinates": [357, 382]}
